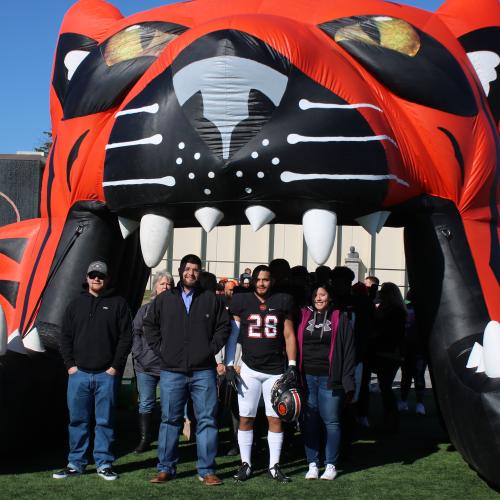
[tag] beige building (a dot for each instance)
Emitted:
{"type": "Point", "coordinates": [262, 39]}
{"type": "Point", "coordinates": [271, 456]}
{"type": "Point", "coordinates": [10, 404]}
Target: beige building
{"type": "Point", "coordinates": [228, 250]}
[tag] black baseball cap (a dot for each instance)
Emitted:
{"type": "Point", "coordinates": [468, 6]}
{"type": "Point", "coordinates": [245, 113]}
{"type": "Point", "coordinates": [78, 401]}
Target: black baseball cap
{"type": "Point", "coordinates": [98, 266]}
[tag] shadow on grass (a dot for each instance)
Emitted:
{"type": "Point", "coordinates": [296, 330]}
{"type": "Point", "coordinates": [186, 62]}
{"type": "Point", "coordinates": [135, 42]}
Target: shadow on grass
{"type": "Point", "coordinates": [418, 437]}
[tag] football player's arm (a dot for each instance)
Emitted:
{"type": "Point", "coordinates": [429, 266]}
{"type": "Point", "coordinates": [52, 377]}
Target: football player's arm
{"type": "Point", "coordinates": [290, 342]}
{"type": "Point", "coordinates": [232, 341]}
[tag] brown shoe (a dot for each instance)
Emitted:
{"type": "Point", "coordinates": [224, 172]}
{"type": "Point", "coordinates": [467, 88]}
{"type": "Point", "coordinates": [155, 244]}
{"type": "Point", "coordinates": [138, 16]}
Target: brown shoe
{"type": "Point", "coordinates": [210, 480]}
{"type": "Point", "coordinates": [162, 477]}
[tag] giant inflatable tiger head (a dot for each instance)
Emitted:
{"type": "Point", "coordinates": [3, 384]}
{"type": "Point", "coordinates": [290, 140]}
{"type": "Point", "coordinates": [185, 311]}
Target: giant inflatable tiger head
{"type": "Point", "coordinates": [287, 111]}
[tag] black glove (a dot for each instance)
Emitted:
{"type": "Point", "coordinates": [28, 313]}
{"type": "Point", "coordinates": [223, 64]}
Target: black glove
{"type": "Point", "coordinates": [232, 377]}
{"type": "Point", "coordinates": [291, 375]}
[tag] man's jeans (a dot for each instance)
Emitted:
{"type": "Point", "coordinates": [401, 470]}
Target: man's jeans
{"type": "Point", "coordinates": [175, 388]}
{"type": "Point", "coordinates": [323, 406]}
{"type": "Point", "coordinates": [90, 393]}
{"type": "Point", "coordinates": [146, 385]}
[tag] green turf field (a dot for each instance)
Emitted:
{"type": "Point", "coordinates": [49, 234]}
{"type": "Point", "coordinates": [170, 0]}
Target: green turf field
{"type": "Point", "coordinates": [418, 462]}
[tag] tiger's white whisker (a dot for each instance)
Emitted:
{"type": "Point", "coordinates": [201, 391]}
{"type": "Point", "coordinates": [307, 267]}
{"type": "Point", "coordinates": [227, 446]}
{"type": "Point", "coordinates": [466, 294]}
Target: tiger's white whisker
{"type": "Point", "coordinates": [164, 181]}
{"type": "Point", "coordinates": [153, 109]}
{"type": "Point", "coordinates": [305, 104]}
{"type": "Point", "coordinates": [296, 138]}
{"type": "Point", "coordinates": [155, 140]}
{"type": "Point", "coordinates": [287, 176]}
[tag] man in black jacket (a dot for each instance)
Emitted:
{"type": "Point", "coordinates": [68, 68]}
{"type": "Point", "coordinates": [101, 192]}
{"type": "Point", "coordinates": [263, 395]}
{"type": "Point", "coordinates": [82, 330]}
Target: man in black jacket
{"type": "Point", "coordinates": [186, 327]}
{"type": "Point", "coordinates": [96, 338]}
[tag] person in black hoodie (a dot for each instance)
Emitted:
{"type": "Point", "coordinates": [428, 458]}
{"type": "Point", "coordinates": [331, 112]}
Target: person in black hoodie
{"type": "Point", "coordinates": [96, 338]}
{"type": "Point", "coordinates": [186, 327]}
{"type": "Point", "coordinates": [387, 348]}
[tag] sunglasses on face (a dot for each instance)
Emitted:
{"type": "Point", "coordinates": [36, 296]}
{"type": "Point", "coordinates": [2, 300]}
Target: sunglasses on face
{"type": "Point", "coordinates": [94, 275]}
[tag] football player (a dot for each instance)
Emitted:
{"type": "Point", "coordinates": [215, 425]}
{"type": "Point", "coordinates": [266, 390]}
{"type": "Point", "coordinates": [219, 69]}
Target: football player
{"type": "Point", "coordinates": [262, 324]}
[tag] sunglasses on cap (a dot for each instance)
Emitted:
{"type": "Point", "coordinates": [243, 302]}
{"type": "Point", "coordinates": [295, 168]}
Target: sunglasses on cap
{"type": "Point", "coordinates": [94, 274]}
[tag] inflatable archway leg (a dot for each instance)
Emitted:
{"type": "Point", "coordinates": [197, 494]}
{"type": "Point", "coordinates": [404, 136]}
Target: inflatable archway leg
{"type": "Point", "coordinates": [451, 311]}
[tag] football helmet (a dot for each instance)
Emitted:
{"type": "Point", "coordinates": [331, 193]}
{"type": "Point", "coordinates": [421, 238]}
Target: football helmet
{"type": "Point", "coordinates": [286, 400]}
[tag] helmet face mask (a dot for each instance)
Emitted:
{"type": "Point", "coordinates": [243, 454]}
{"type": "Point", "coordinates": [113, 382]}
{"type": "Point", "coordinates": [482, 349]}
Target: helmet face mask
{"type": "Point", "coordinates": [286, 401]}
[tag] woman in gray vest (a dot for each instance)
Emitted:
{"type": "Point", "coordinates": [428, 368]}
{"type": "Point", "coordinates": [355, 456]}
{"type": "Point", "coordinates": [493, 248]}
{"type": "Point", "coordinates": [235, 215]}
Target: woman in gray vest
{"type": "Point", "coordinates": [147, 365]}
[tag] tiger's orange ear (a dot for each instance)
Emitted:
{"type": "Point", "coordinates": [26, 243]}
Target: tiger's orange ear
{"type": "Point", "coordinates": [478, 31]}
{"type": "Point", "coordinates": [84, 26]}
{"type": "Point", "coordinates": [464, 16]}
{"type": "Point", "coordinates": [90, 18]}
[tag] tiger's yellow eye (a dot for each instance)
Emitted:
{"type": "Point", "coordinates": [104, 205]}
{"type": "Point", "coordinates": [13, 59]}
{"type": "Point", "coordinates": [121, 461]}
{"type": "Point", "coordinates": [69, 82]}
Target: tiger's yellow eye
{"type": "Point", "coordinates": [398, 35]}
{"type": "Point", "coordinates": [353, 32]}
{"type": "Point", "coordinates": [133, 42]}
{"type": "Point", "coordinates": [385, 32]}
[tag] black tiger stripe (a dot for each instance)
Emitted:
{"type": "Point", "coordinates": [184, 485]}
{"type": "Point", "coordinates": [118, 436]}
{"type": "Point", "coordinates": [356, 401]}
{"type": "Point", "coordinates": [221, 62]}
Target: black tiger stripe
{"type": "Point", "coordinates": [73, 155]}
{"type": "Point", "coordinates": [50, 182]}
{"type": "Point", "coordinates": [13, 248]}
{"type": "Point", "coordinates": [458, 152]}
{"type": "Point", "coordinates": [9, 290]}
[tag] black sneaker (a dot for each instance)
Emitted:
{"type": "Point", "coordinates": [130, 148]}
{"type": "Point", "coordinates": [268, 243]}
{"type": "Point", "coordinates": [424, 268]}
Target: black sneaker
{"type": "Point", "coordinates": [108, 474]}
{"type": "Point", "coordinates": [244, 472]}
{"type": "Point", "coordinates": [276, 474]}
{"type": "Point", "coordinates": [65, 473]}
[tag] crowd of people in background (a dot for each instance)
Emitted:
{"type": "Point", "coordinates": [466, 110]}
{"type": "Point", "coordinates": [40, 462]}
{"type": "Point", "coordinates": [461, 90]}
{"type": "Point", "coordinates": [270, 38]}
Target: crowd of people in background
{"type": "Point", "coordinates": [216, 348]}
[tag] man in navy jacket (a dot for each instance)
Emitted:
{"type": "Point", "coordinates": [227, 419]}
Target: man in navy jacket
{"type": "Point", "coordinates": [186, 327]}
{"type": "Point", "coordinates": [96, 338]}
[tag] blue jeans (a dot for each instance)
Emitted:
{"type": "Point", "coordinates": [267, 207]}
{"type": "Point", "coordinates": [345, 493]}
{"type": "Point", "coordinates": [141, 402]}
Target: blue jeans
{"type": "Point", "coordinates": [89, 394]}
{"type": "Point", "coordinates": [146, 385]}
{"type": "Point", "coordinates": [174, 389]}
{"type": "Point", "coordinates": [323, 407]}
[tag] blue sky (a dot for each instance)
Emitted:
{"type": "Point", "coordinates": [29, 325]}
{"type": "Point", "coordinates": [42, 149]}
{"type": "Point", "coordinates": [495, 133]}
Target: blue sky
{"type": "Point", "coordinates": [28, 39]}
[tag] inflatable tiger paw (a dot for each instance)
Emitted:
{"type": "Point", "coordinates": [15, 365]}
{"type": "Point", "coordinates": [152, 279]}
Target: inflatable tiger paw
{"type": "Point", "coordinates": [320, 113]}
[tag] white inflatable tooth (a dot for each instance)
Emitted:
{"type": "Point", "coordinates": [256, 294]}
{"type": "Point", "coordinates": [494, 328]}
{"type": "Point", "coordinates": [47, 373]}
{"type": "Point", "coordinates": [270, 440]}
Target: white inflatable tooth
{"type": "Point", "coordinates": [369, 222]}
{"type": "Point", "coordinates": [208, 217]}
{"type": "Point", "coordinates": [373, 222]}
{"type": "Point", "coordinates": [319, 232]}
{"type": "Point", "coordinates": [259, 216]}
{"type": "Point", "coordinates": [154, 234]}
{"type": "Point", "coordinates": [383, 216]}
{"type": "Point", "coordinates": [15, 343]}
{"type": "Point", "coordinates": [480, 365]}
{"type": "Point", "coordinates": [3, 332]}
{"type": "Point", "coordinates": [32, 341]}
{"type": "Point", "coordinates": [491, 349]}
{"type": "Point", "coordinates": [475, 356]}
{"type": "Point", "coordinates": [127, 226]}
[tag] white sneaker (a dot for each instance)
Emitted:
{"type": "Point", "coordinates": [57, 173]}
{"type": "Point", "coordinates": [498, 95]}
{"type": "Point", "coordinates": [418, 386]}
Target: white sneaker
{"type": "Point", "coordinates": [313, 472]}
{"type": "Point", "coordinates": [107, 473]}
{"type": "Point", "coordinates": [420, 409]}
{"type": "Point", "coordinates": [402, 405]}
{"type": "Point", "coordinates": [330, 473]}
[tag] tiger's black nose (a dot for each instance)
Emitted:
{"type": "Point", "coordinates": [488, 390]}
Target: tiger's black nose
{"type": "Point", "coordinates": [225, 84]}
{"type": "Point", "coordinates": [228, 87]}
